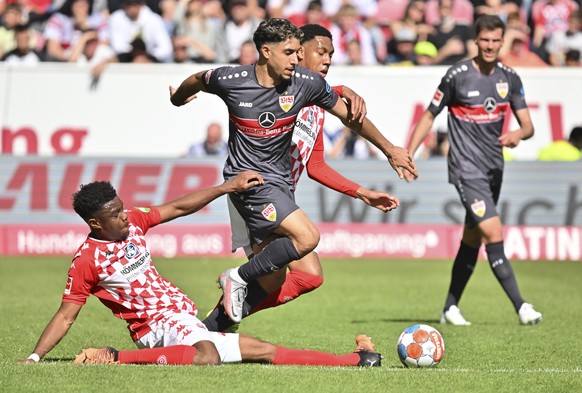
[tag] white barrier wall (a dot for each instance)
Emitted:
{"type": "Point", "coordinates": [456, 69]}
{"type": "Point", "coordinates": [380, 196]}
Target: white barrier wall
{"type": "Point", "coordinates": [54, 109]}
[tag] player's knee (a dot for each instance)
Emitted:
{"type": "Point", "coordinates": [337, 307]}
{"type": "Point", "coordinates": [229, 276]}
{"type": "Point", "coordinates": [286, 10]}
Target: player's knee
{"type": "Point", "coordinates": [308, 240]}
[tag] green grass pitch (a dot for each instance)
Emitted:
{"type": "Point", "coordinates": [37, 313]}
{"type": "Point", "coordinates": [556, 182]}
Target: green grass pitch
{"type": "Point", "coordinates": [376, 297]}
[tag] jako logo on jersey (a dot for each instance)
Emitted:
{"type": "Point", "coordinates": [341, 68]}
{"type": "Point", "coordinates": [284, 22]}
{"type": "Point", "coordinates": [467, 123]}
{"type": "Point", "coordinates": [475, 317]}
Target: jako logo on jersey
{"type": "Point", "coordinates": [489, 104]}
{"type": "Point", "coordinates": [144, 209]}
{"type": "Point", "coordinates": [69, 285]}
{"type": "Point", "coordinates": [246, 104]}
{"type": "Point", "coordinates": [479, 208]}
{"type": "Point", "coordinates": [473, 93]}
{"type": "Point", "coordinates": [438, 97]}
{"type": "Point", "coordinates": [131, 251]}
{"type": "Point", "coordinates": [267, 120]}
{"type": "Point", "coordinates": [270, 213]}
{"type": "Point", "coordinates": [502, 89]}
{"type": "Point", "coordinates": [286, 102]}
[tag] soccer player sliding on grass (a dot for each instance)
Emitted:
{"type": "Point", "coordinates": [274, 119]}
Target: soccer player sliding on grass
{"type": "Point", "coordinates": [114, 264]}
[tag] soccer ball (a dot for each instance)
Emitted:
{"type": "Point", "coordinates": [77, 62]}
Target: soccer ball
{"type": "Point", "coordinates": [420, 346]}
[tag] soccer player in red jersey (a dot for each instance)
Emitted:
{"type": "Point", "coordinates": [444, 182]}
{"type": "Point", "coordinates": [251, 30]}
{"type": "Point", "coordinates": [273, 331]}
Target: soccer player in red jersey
{"type": "Point", "coordinates": [479, 93]}
{"type": "Point", "coordinates": [263, 102]}
{"type": "Point", "coordinates": [307, 152]}
{"type": "Point", "coordinates": [115, 265]}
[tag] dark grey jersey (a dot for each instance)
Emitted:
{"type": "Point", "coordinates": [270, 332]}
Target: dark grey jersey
{"type": "Point", "coordinates": [262, 119]}
{"type": "Point", "coordinates": [478, 106]}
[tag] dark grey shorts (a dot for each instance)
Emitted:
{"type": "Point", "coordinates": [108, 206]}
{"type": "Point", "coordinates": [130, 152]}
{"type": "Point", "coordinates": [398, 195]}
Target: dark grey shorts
{"type": "Point", "coordinates": [263, 208]}
{"type": "Point", "coordinates": [480, 198]}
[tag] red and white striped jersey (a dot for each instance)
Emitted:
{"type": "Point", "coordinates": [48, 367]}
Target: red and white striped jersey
{"type": "Point", "coordinates": [122, 275]}
{"type": "Point", "coordinates": [308, 125]}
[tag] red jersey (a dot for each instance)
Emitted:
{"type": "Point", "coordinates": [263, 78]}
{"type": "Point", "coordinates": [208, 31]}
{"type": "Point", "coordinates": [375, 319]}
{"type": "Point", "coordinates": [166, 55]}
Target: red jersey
{"type": "Point", "coordinates": [122, 275]}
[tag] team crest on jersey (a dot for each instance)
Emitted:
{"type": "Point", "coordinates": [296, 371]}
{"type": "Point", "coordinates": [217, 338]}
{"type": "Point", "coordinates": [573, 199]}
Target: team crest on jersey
{"type": "Point", "coordinates": [286, 102]}
{"type": "Point", "coordinates": [131, 251]}
{"type": "Point", "coordinates": [479, 208]}
{"type": "Point", "coordinates": [502, 89]}
{"type": "Point", "coordinates": [438, 97]}
{"type": "Point", "coordinates": [270, 213]}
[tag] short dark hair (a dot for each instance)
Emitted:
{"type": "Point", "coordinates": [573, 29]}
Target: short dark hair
{"type": "Point", "coordinates": [90, 198]}
{"type": "Point", "coordinates": [489, 23]}
{"type": "Point", "coordinates": [275, 30]}
{"type": "Point", "coordinates": [576, 137]}
{"type": "Point", "coordinates": [312, 31]}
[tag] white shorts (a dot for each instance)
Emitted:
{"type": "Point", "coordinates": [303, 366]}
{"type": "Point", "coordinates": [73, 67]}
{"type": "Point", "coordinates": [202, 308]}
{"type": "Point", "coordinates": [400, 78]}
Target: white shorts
{"type": "Point", "coordinates": [186, 329]}
{"type": "Point", "coordinates": [240, 232]}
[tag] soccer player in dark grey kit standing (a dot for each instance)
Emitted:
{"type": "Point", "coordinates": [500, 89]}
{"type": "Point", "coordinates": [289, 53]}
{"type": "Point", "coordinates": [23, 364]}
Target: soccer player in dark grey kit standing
{"type": "Point", "coordinates": [479, 93]}
{"type": "Point", "coordinates": [263, 101]}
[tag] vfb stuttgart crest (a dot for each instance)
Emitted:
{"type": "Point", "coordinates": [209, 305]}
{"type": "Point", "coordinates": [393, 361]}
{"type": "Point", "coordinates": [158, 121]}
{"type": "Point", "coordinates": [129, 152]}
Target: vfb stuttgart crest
{"type": "Point", "coordinates": [286, 102]}
{"type": "Point", "coordinates": [270, 213]}
{"type": "Point", "coordinates": [479, 208]}
{"type": "Point", "coordinates": [502, 89]}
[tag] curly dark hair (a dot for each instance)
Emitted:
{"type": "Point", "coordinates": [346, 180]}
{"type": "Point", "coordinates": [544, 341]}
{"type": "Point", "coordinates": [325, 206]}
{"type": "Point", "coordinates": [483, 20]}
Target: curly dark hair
{"type": "Point", "coordinates": [90, 198]}
{"type": "Point", "coordinates": [275, 30]}
{"type": "Point", "coordinates": [312, 31]}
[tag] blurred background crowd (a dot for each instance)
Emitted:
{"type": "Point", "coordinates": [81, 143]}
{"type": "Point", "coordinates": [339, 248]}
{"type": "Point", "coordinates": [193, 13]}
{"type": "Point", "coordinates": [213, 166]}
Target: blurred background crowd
{"type": "Point", "coordinates": [540, 33]}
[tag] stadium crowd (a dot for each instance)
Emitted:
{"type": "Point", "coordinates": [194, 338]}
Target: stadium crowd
{"type": "Point", "coordinates": [539, 33]}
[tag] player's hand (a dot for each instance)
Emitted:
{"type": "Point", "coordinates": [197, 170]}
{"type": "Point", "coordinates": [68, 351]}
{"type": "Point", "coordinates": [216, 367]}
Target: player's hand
{"type": "Point", "coordinates": [356, 103]}
{"type": "Point", "coordinates": [245, 180]}
{"type": "Point", "coordinates": [409, 177]}
{"type": "Point", "coordinates": [380, 200]}
{"type": "Point", "coordinates": [510, 139]}
{"type": "Point", "coordinates": [173, 91]}
{"type": "Point", "coordinates": [400, 158]}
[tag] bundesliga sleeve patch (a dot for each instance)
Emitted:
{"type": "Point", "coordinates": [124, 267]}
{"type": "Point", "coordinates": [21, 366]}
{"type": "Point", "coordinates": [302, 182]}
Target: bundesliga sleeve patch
{"type": "Point", "coordinates": [438, 98]}
{"type": "Point", "coordinates": [69, 285]}
{"type": "Point", "coordinates": [144, 209]}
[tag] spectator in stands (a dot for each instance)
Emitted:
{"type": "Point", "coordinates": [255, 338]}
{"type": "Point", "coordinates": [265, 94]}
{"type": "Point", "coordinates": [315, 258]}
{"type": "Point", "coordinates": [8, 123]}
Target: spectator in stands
{"type": "Point", "coordinates": [425, 53]}
{"type": "Point", "coordinates": [413, 19]}
{"type": "Point", "coordinates": [562, 42]}
{"type": "Point", "coordinates": [461, 10]}
{"type": "Point", "coordinates": [239, 27]}
{"type": "Point", "coordinates": [453, 40]}
{"type": "Point", "coordinates": [136, 21]}
{"type": "Point", "coordinates": [354, 53]}
{"type": "Point", "coordinates": [22, 54]}
{"type": "Point", "coordinates": [562, 150]}
{"type": "Point", "coordinates": [204, 40]}
{"type": "Point", "coordinates": [573, 58]}
{"type": "Point", "coordinates": [313, 15]}
{"type": "Point", "coordinates": [11, 18]}
{"type": "Point", "coordinates": [549, 17]}
{"type": "Point", "coordinates": [248, 53]}
{"type": "Point", "coordinates": [501, 8]}
{"type": "Point", "coordinates": [516, 53]}
{"type": "Point", "coordinates": [347, 28]}
{"type": "Point", "coordinates": [401, 48]}
{"type": "Point", "coordinates": [68, 31]}
{"type": "Point", "coordinates": [213, 145]}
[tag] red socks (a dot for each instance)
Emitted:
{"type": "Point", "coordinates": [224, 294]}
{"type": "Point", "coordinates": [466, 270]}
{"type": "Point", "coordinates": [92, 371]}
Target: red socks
{"type": "Point", "coordinates": [178, 354]}
{"type": "Point", "coordinates": [296, 284]}
{"type": "Point", "coordinates": [313, 358]}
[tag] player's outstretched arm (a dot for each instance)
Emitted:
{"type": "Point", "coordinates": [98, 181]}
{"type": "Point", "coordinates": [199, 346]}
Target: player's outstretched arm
{"type": "Point", "coordinates": [195, 201]}
{"type": "Point", "coordinates": [526, 130]}
{"type": "Point", "coordinates": [54, 332]}
{"type": "Point", "coordinates": [320, 171]}
{"type": "Point", "coordinates": [187, 90]}
{"type": "Point", "coordinates": [418, 135]}
{"type": "Point", "coordinates": [357, 105]}
{"type": "Point", "coordinates": [398, 157]}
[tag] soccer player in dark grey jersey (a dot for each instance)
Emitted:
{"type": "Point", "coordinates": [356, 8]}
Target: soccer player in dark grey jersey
{"type": "Point", "coordinates": [263, 101]}
{"type": "Point", "coordinates": [479, 94]}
